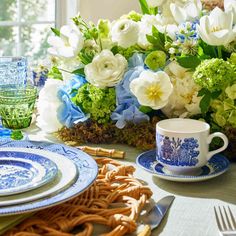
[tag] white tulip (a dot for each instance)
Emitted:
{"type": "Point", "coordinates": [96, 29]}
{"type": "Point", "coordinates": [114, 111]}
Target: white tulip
{"type": "Point", "coordinates": [125, 32]}
{"type": "Point", "coordinates": [68, 44]}
{"type": "Point", "coordinates": [106, 70]}
{"type": "Point", "coordinates": [230, 5]}
{"type": "Point", "coordinates": [186, 12]}
{"type": "Point", "coordinates": [155, 3]}
{"type": "Point", "coordinates": [152, 89]}
{"type": "Point", "coordinates": [217, 28]}
{"type": "Point", "coordinates": [47, 106]}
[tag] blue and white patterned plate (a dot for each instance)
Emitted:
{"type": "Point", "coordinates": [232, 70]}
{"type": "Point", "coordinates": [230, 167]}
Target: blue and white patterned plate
{"type": "Point", "coordinates": [216, 166]}
{"type": "Point", "coordinates": [86, 166]}
{"type": "Point", "coordinates": [22, 171]}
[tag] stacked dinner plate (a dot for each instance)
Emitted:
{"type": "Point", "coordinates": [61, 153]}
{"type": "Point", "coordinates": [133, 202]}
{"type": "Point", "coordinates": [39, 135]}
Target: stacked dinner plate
{"type": "Point", "coordinates": [37, 175]}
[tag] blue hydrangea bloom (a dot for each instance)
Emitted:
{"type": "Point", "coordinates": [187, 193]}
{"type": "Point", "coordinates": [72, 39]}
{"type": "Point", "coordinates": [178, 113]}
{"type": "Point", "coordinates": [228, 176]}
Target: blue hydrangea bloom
{"type": "Point", "coordinates": [127, 104]}
{"type": "Point", "coordinates": [74, 84]}
{"type": "Point", "coordinates": [68, 113]}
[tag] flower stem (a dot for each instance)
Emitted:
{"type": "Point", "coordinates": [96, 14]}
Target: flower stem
{"type": "Point", "coordinates": [219, 48]}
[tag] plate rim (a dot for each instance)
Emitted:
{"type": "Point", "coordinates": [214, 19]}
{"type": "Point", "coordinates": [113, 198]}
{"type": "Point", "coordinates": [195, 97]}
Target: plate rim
{"type": "Point", "coordinates": [183, 178]}
{"type": "Point", "coordinates": [30, 186]}
{"type": "Point", "coordinates": [45, 202]}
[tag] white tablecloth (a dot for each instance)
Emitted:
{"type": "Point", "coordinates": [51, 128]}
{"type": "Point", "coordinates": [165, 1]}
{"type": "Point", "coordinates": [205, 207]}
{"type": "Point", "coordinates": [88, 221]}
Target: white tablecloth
{"type": "Point", "coordinates": [192, 211]}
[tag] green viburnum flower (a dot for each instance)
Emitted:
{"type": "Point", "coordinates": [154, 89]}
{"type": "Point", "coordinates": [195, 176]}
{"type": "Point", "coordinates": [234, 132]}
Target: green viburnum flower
{"type": "Point", "coordinates": [214, 74]}
{"type": "Point", "coordinates": [133, 15]}
{"type": "Point", "coordinates": [104, 28]}
{"type": "Point", "coordinates": [99, 103]}
{"type": "Point", "coordinates": [155, 60]}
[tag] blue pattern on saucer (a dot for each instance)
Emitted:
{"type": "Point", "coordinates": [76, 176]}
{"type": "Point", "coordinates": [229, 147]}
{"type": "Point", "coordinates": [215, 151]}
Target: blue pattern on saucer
{"type": "Point", "coordinates": [217, 165]}
{"type": "Point", "coordinates": [86, 165]}
{"type": "Point", "coordinates": [19, 173]}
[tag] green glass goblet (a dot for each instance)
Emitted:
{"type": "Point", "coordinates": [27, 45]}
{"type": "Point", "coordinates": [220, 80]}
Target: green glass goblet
{"type": "Point", "coordinates": [16, 107]}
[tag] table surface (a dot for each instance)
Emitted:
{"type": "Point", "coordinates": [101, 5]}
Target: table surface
{"type": "Point", "coordinates": [192, 211]}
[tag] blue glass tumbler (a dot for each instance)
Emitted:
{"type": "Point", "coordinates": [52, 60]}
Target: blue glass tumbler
{"type": "Point", "coordinates": [13, 70]}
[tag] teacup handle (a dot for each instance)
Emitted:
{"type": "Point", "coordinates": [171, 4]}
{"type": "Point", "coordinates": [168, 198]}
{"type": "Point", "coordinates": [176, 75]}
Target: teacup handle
{"type": "Point", "coordinates": [220, 135]}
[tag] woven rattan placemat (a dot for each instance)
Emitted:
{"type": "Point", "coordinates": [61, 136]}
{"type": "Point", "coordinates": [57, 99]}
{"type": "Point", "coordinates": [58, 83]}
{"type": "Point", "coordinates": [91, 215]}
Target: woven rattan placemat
{"type": "Point", "coordinates": [115, 200]}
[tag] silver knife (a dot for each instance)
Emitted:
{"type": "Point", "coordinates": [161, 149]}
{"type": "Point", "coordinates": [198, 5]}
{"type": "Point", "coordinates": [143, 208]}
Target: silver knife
{"type": "Point", "coordinates": [154, 217]}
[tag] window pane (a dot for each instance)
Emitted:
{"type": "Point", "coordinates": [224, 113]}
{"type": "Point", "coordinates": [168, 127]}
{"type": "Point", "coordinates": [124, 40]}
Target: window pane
{"type": "Point", "coordinates": [38, 10]}
{"type": "Point", "coordinates": [8, 41]}
{"type": "Point", "coordinates": [34, 40]}
{"type": "Point", "coordinates": [8, 10]}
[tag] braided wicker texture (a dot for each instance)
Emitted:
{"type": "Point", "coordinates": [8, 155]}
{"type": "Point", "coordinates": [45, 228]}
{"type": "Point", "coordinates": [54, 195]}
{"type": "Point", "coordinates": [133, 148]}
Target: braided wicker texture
{"type": "Point", "coordinates": [115, 200]}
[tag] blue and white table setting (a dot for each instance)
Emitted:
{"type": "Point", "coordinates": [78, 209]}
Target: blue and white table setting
{"type": "Point", "coordinates": [63, 173]}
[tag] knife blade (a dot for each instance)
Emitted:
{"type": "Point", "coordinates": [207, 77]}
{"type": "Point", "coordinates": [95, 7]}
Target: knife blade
{"type": "Point", "coordinates": [154, 217]}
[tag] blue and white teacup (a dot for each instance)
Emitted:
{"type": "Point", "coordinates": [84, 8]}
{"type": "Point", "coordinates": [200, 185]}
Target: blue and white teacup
{"type": "Point", "coordinates": [183, 144]}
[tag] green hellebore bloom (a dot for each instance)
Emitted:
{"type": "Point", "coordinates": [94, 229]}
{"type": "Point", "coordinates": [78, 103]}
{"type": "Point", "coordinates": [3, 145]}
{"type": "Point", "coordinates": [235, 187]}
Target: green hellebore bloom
{"type": "Point", "coordinates": [155, 60]}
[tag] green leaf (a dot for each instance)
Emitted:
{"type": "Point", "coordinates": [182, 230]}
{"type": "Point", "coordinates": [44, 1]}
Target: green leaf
{"type": "Point", "coordinates": [56, 31]}
{"type": "Point", "coordinates": [55, 73]}
{"type": "Point", "coordinates": [205, 103]}
{"type": "Point", "coordinates": [190, 62]}
{"type": "Point", "coordinates": [153, 10]}
{"type": "Point", "coordinates": [145, 109]}
{"type": "Point", "coordinates": [202, 92]}
{"type": "Point", "coordinates": [216, 94]}
{"type": "Point", "coordinates": [79, 71]}
{"type": "Point", "coordinates": [152, 39]}
{"type": "Point", "coordinates": [144, 7]}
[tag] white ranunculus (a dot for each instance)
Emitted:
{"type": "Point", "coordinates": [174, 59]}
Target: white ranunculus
{"type": "Point", "coordinates": [68, 44]}
{"type": "Point", "coordinates": [125, 32]}
{"type": "Point", "coordinates": [217, 29]}
{"type": "Point", "coordinates": [155, 3]}
{"type": "Point", "coordinates": [186, 12]}
{"type": "Point", "coordinates": [47, 106]}
{"type": "Point", "coordinates": [152, 89]}
{"type": "Point", "coordinates": [184, 100]}
{"type": "Point", "coordinates": [106, 69]}
{"type": "Point", "coordinates": [230, 5]}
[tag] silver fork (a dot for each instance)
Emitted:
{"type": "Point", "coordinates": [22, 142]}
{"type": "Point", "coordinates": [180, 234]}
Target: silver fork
{"type": "Point", "coordinates": [225, 221]}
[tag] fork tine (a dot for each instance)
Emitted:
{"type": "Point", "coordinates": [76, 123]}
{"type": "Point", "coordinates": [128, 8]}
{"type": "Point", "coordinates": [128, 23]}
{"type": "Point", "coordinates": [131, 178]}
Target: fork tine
{"type": "Point", "coordinates": [222, 219]}
{"type": "Point", "coordinates": [232, 218]}
{"type": "Point", "coordinates": [227, 219]}
{"type": "Point", "coordinates": [217, 220]}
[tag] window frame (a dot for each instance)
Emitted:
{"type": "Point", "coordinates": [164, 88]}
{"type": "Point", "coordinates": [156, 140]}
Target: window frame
{"type": "Point", "coordinates": [64, 11]}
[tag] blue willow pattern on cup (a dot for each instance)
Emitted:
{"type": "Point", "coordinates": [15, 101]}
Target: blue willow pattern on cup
{"type": "Point", "coordinates": [13, 70]}
{"type": "Point", "coordinates": [17, 105]}
{"type": "Point", "coordinates": [177, 152]}
{"type": "Point", "coordinates": [14, 174]}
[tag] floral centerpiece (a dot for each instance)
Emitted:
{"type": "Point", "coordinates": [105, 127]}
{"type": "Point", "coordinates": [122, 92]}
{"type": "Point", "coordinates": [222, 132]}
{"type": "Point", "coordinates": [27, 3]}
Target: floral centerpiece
{"type": "Point", "coordinates": [112, 81]}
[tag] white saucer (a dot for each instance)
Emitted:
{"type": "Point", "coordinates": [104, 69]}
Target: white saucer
{"type": "Point", "coordinates": [216, 166]}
